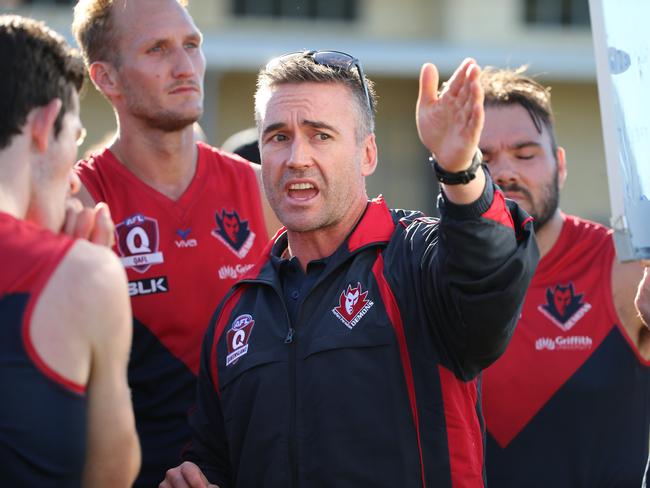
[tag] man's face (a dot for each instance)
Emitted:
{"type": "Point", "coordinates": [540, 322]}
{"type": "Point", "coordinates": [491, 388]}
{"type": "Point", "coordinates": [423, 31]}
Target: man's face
{"type": "Point", "coordinates": [161, 65]}
{"type": "Point", "coordinates": [313, 165]}
{"type": "Point", "coordinates": [522, 162]}
{"type": "Point", "coordinates": [53, 179]}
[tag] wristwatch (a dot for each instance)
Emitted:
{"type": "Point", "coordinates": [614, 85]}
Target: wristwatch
{"type": "Point", "coordinates": [460, 177]}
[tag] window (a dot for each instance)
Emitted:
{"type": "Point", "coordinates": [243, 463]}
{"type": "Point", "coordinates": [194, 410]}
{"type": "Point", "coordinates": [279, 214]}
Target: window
{"type": "Point", "coordinates": [48, 2]}
{"type": "Point", "coordinates": [307, 9]}
{"type": "Point", "coordinates": [557, 12]}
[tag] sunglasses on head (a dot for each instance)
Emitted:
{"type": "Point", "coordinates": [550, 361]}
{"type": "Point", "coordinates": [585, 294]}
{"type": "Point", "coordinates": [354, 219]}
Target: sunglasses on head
{"type": "Point", "coordinates": [331, 59]}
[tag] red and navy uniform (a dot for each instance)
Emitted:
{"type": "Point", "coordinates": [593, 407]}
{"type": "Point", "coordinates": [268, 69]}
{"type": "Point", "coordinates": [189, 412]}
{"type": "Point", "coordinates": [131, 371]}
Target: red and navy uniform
{"type": "Point", "coordinates": [364, 372]}
{"type": "Point", "coordinates": [568, 404]}
{"type": "Point", "coordinates": [42, 414]}
{"type": "Point", "coordinates": [181, 258]}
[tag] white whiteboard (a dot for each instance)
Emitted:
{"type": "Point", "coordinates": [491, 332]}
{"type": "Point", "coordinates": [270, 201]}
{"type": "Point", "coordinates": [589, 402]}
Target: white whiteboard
{"type": "Point", "coordinates": [622, 51]}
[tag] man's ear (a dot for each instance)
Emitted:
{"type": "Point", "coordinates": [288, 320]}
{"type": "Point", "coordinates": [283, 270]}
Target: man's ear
{"type": "Point", "coordinates": [41, 122]}
{"type": "Point", "coordinates": [369, 161]}
{"type": "Point", "coordinates": [560, 157]}
{"type": "Point", "coordinates": [104, 77]}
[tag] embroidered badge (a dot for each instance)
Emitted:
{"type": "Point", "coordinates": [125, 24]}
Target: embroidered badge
{"type": "Point", "coordinates": [563, 307]}
{"type": "Point", "coordinates": [234, 233]}
{"type": "Point", "coordinates": [237, 338]}
{"type": "Point", "coordinates": [353, 305]}
{"type": "Point", "coordinates": [137, 242]}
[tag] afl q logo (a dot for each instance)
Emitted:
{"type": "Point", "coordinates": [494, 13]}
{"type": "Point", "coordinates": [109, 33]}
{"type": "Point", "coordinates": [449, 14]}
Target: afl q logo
{"type": "Point", "coordinates": [137, 239]}
{"type": "Point", "coordinates": [237, 338]}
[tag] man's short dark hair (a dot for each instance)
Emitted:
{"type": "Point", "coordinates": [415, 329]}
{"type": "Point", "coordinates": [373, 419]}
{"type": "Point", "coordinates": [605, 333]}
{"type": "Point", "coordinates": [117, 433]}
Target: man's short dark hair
{"type": "Point", "coordinates": [512, 87]}
{"type": "Point", "coordinates": [301, 68]}
{"type": "Point", "coordinates": [38, 66]}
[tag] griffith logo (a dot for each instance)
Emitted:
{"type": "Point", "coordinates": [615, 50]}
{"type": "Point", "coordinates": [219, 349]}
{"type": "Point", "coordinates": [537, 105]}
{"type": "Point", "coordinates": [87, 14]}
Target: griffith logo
{"type": "Point", "coordinates": [234, 233]}
{"type": "Point", "coordinates": [353, 305]}
{"type": "Point", "coordinates": [237, 338]}
{"type": "Point", "coordinates": [563, 307]}
{"type": "Point", "coordinates": [137, 242]}
{"type": "Point", "coordinates": [560, 343]}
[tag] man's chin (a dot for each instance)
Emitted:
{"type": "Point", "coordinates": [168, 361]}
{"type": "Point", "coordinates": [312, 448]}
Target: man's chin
{"type": "Point", "coordinates": [173, 123]}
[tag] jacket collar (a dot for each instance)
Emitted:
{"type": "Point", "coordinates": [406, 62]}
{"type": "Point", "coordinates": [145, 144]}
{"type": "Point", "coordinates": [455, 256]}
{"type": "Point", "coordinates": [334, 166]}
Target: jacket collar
{"type": "Point", "coordinates": [375, 227]}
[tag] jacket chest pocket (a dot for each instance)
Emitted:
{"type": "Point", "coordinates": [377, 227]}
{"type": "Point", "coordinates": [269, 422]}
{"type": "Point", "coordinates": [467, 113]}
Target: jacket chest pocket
{"type": "Point", "coordinates": [252, 363]}
{"type": "Point", "coordinates": [361, 336]}
{"type": "Point", "coordinates": [255, 375]}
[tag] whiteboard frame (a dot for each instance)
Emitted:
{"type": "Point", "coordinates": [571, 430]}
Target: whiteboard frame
{"type": "Point", "coordinates": [623, 233]}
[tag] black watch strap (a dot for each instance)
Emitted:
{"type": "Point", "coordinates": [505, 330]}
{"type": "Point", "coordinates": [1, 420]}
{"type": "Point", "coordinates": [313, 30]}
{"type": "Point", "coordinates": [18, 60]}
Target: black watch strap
{"type": "Point", "coordinates": [460, 177]}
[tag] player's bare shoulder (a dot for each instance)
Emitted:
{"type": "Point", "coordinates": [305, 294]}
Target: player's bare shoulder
{"type": "Point", "coordinates": [625, 281]}
{"type": "Point", "coordinates": [97, 275]}
{"type": "Point", "coordinates": [97, 292]}
{"type": "Point", "coordinates": [83, 306]}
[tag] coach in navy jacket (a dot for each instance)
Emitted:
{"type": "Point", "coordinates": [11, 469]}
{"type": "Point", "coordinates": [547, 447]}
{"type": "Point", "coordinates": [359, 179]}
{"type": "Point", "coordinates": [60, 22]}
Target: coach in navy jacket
{"type": "Point", "coordinates": [349, 356]}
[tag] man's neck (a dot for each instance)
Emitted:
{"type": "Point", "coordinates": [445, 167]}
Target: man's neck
{"type": "Point", "coordinates": [322, 243]}
{"type": "Point", "coordinates": [548, 235]}
{"type": "Point", "coordinates": [166, 161]}
{"type": "Point", "coordinates": [15, 180]}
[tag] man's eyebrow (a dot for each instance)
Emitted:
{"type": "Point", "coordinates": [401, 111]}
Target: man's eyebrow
{"type": "Point", "coordinates": [525, 144]}
{"type": "Point", "coordinates": [516, 145]}
{"type": "Point", "coordinates": [164, 39]}
{"type": "Point", "coordinates": [319, 125]}
{"type": "Point", "coordinates": [310, 123]}
{"type": "Point", "coordinates": [273, 127]}
{"type": "Point", "coordinates": [194, 36]}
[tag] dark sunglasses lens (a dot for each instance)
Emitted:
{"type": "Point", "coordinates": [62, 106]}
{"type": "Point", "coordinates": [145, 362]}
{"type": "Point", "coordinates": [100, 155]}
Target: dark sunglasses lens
{"type": "Point", "coordinates": [334, 59]}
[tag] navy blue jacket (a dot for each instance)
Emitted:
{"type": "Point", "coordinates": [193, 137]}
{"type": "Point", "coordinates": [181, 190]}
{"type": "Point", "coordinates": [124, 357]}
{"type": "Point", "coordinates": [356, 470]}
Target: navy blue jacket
{"type": "Point", "coordinates": [375, 383]}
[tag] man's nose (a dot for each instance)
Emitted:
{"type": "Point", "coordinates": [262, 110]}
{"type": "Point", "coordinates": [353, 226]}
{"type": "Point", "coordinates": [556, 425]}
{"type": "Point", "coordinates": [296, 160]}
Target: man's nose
{"type": "Point", "coordinates": [183, 65]}
{"type": "Point", "coordinates": [502, 169]}
{"type": "Point", "coordinates": [300, 156]}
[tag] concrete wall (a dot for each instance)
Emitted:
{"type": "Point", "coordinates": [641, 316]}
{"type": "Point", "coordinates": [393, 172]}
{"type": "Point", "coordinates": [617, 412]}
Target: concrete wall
{"type": "Point", "coordinates": [579, 132]}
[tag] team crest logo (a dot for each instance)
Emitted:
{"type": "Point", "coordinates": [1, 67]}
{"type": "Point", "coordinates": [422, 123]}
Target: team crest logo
{"type": "Point", "coordinates": [353, 305]}
{"type": "Point", "coordinates": [563, 307]}
{"type": "Point", "coordinates": [234, 233]}
{"type": "Point", "coordinates": [137, 242]}
{"type": "Point", "coordinates": [237, 338]}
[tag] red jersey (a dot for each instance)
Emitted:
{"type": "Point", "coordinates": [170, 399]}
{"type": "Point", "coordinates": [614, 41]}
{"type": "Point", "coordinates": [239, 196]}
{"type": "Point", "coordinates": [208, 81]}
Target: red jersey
{"type": "Point", "coordinates": [568, 404]}
{"type": "Point", "coordinates": [42, 414]}
{"type": "Point", "coordinates": [181, 258]}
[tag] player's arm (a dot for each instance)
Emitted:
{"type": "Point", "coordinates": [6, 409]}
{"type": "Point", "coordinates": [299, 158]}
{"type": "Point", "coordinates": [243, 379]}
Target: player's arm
{"type": "Point", "coordinates": [271, 220]}
{"type": "Point", "coordinates": [102, 312]}
{"type": "Point", "coordinates": [625, 286]}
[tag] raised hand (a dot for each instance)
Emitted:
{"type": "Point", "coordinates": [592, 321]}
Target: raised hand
{"type": "Point", "coordinates": [187, 475]}
{"type": "Point", "coordinates": [93, 224]}
{"type": "Point", "coordinates": [450, 122]}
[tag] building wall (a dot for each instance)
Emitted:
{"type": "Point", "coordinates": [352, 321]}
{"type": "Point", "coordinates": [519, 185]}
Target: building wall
{"type": "Point", "coordinates": [403, 175]}
{"type": "Point", "coordinates": [376, 18]}
{"type": "Point", "coordinates": [579, 131]}
{"type": "Point", "coordinates": [98, 119]}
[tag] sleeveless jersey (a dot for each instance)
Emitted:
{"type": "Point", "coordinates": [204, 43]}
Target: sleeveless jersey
{"type": "Point", "coordinates": [181, 258]}
{"type": "Point", "coordinates": [568, 404]}
{"type": "Point", "coordinates": [42, 414]}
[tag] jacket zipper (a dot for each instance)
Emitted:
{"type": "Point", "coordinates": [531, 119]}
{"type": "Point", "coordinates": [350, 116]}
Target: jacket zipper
{"type": "Point", "coordinates": [293, 448]}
